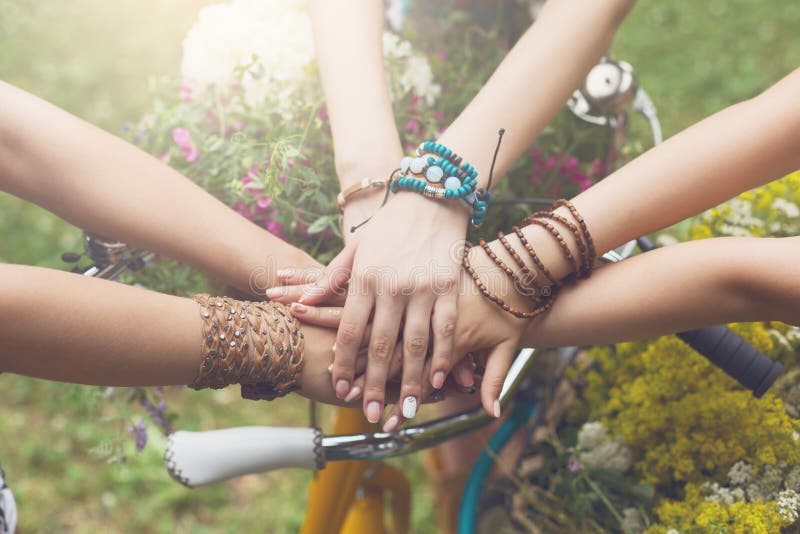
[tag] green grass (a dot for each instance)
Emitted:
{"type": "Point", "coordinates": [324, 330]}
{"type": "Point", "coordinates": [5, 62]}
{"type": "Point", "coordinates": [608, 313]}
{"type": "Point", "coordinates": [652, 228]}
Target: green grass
{"type": "Point", "coordinates": [94, 58]}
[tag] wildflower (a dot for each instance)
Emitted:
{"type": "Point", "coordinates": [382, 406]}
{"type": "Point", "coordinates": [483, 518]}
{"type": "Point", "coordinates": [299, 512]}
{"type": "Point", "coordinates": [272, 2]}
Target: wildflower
{"type": "Point", "coordinates": [740, 473]}
{"type": "Point", "coordinates": [632, 521]}
{"type": "Point", "coordinates": [139, 431]}
{"type": "Point", "coordinates": [185, 92]}
{"type": "Point", "coordinates": [788, 504]}
{"type": "Point", "coordinates": [574, 465]}
{"type": "Point", "coordinates": [413, 125]}
{"type": "Point", "coordinates": [183, 139]}
{"type": "Point", "coordinates": [275, 228]}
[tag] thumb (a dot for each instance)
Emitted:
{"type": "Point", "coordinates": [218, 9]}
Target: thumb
{"type": "Point", "coordinates": [333, 281]}
{"type": "Point", "coordinates": [500, 358]}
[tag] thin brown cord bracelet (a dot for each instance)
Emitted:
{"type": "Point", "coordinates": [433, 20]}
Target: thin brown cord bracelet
{"type": "Point", "coordinates": [582, 223]}
{"type": "Point", "coordinates": [547, 225]}
{"type": "Point", "coordinates": [256, 344]}
{"type": "Point", "coordinates": [536, 261]}
{"type": "Point", "coordinates": [586, 266]}
{"type": "Point", "coordinates": [497, 300]}
{"type": "Point", "coordinates": [527, 282]}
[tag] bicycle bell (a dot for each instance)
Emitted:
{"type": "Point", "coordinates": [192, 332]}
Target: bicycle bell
{"type": "Point", "coordinates": [609, 89]}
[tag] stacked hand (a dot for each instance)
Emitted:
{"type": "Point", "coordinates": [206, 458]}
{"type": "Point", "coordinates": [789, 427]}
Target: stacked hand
{"type": "Point", "coordinates": [479, 328]}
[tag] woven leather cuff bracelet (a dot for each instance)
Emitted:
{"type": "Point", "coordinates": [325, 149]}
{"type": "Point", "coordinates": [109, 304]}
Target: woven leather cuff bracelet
{"type": "Point", "coordinates": [256, 344]}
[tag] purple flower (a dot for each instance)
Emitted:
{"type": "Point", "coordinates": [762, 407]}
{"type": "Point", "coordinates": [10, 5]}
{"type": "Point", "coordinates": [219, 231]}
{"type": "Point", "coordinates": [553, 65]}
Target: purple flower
{"type": "Point", "coordinates": [570, 166]}
{"type": "Point", "coordinates": [574, 465]}
{"type": "Point", "coordinates": [158, 414]}
{"type": "Point", "coordinates": [322, 113]}
{"type": "Point", "coordinates": [412, 125]}
{"type": "Point", "coordinates": [139, 431]}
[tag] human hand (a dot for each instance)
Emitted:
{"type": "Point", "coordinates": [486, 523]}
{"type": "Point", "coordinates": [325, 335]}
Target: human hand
{"type": "Point", "coordinates": [403, 266]}
{"type": "Point", "coordinates": [483, 331]}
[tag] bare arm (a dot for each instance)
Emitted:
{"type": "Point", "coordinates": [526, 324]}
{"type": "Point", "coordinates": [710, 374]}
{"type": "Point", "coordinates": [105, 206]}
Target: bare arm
{"type": "Point", "coordinates": [100, 183]}
{"type": "Point", "coordinates": [91, 331]}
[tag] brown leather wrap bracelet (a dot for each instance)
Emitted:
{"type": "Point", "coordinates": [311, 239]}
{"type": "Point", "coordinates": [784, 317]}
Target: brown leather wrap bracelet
{"type": "Point", "coordinates": [256, 344]}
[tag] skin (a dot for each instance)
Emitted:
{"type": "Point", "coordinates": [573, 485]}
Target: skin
{"type": "Point", "coordinates": [416, 279]}
{"type": "Point", "coordinates": [688, 285]}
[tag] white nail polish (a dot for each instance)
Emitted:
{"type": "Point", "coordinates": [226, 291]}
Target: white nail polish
{"type": "Point", "coordinates": [409, 407]}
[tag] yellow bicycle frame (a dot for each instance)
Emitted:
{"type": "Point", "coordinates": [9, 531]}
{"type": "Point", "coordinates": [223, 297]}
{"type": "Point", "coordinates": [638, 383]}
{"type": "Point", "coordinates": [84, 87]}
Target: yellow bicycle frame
{"type": "Point", "coordinates": [348, 497]}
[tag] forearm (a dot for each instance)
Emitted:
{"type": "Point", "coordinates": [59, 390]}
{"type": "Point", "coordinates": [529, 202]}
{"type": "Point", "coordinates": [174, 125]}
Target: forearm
{"type": "Point", "coordinates": [534, 81]}
{"type": "Point", "coordinates": [100, 183]}
{"type": "Point", "coordinates": [348, 44]}
{"type": "Point", "coordinates": [744, 146]}
{"type": "Point", "coordinates": [91, 331]}
{"type": "Point", "coordinates": [676, 288]}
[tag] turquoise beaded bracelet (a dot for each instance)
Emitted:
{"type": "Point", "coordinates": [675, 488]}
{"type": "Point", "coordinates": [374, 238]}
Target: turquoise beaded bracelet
{"type": "Point", "coordinates": [446, 177]}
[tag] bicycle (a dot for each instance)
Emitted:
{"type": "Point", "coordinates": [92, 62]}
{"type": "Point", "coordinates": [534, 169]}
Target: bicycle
{"type": "Point", "coordinates": [347, 495]}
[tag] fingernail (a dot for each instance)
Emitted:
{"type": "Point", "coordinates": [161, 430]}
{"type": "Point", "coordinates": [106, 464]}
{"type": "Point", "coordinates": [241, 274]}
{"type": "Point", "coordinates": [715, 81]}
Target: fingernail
{"type": "Point", "coordinates": [496, 408]}
{"type": "Point", "coordinates": [373, 411]}
{"type": "Point", "coordinates": [342, 388]}
{"type": "Point", "coordinates": [409, 407]}
{"type": "Point", "coordinates": [438, 379]}
{"type": "Point", "coordinates": [274, 292]}
{"type": "Point", "coordinates": [353, 395]}
{"type": "Point", "coordinates": [333, 348]}
{"type": "Point", "coordinates": [391, 424]}
{"type": "Point", "coordinates": [298, 308]}
{"type": "Point", "coordinates": [330, 369]}
{"type": "Point", "coordinates": [283, 273]}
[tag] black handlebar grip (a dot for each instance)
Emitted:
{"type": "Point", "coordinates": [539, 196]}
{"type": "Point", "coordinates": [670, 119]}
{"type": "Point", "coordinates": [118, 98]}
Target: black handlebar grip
{"type": "Point", "coordinates": [735, 356]}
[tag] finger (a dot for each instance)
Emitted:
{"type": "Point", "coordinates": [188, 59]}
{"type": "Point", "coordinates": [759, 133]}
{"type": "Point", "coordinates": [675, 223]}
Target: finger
{"type": "Point", "coordinates": [464, 376]}
{"type": "Point", "coordinates": [299, 277]}
{"type": "Point", "coordinates": [353, 323]}
{"type": "Point", "coordinates": [327, 316]}
{"type": "Point", "coordinates": [443, 324]}
{"type": "Point", "coordinates": [361, 378]}
{"type": "Point", "coordinates": [285, 294]}
{"type": "Point", "coordinates": [500, 358]}
{"type": "Point", "coordinates": [415, 347]}
{"type": "Point", "coordinates": [388, 314]}
{"type": "Point", "coordinates": [334, 280]}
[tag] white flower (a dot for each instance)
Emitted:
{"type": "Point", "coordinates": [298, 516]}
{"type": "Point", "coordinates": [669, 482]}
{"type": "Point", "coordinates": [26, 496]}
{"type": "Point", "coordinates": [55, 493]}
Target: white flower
{"type": "Point", "coordinates": [277, 33]}
{"type": "Point", "coordinates": [788, 502]}
{"type": "Point", "coordinates": [415, 72]}
{"type": "Point", "coordinates": [595, 450]}
{"type": "Point", "coordinates": [591, 435]}
{"type": "Point", "coordinates": [228, 35]}
{"type": "Point", "coordinates": [790, 209]}
{"type": "Point", "coordinates": [740, 473]}
{"type": "Point", "coordinates": [673, 531]}
{"type": "Point", "coordinates": [632, 521]}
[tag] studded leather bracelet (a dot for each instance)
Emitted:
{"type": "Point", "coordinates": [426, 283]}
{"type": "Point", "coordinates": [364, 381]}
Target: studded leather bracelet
{"type": "Point", "coordinates": [256, 344]}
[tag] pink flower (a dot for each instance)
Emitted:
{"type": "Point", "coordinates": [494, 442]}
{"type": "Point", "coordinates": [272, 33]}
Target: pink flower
{"type": "Point", "coordinates": [186, 92]}
{"type": "Point", "coordinates": [598, 168]}
{"type": "Point", "coordinates": [550, 163]}
{"type": "Point", "coordinates": [322, 113]}
{"type": "Point", "coordinates": [574, 465]}
{"type": "Point", "coordinates": [190, 154]}
{"type": "Point", "coordinates": [414, 100]}
{"type": "Point", "coordinates": [181, 137]}
{"type": "Point", "coordinates": [263, 203]}
{"type": "Point", "coordinates": [164, 157]}
{"type": "Point", "coordinates": [570, 166]}
{"type": "Point", "coordinates": [412, 125]}
{"type": "Point", "coordinates": [438, 115]}
{"type": "Point", "coordinates": [441, 54]}
{"type": "Point", "coordinates": [237, 124]}
{"type": "Point", "coordinates": [582, 180]}
{"type": "Point", "coordinates": [275, 228]}
{"type": "Point", "coordinates": [282, 177]}
{"type": "Point", "coordinates": [243, 209]}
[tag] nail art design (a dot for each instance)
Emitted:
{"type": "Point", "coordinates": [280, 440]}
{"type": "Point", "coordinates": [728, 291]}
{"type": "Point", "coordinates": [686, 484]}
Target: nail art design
{"type": "Point", "coordinates": [409, 407]}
